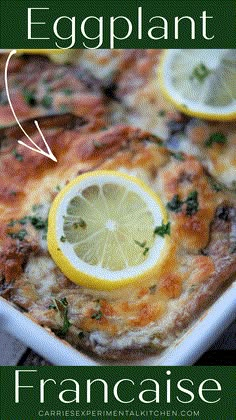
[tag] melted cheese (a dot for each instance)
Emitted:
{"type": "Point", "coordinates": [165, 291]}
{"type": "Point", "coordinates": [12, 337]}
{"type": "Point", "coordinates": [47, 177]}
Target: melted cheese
{"type": "Point", "coordinates": [137, 312]}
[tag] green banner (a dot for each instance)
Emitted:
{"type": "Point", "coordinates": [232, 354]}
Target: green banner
{"type": "Point", "coordinates": [117, 24]}
{"type": "Point", "coordinates": [34, 393]}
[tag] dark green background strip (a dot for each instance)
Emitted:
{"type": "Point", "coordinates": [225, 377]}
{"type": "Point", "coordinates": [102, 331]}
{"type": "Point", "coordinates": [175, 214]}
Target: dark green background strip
{"type": "Point", "coordinates": [14, 23]}
{"type": "Point", "coordinates": [30, 407]}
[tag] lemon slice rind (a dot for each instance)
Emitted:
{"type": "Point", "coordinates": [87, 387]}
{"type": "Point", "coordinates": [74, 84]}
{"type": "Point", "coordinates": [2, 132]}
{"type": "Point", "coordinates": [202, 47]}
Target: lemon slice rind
{"type": "Point", "coordinates": [83, 273]}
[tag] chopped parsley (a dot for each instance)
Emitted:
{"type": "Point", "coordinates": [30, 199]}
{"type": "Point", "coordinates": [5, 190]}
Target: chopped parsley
{"type": "Point", "coordinates": [192, 288]}
{"type": "Point", "coordinates": [178, 156]}
{"type": "Point", "coordinates": [61, 306]}
{"type": "Point", "coordinates": [97, 144]}
{"type": "Point", "coordinates": [80, 223]}
{"type": "Point", "coordinates": [162, 230]}
{"type": "Point", "coordinates": [152, 139]}
{"type": "Point", "coordinates": [153, 289]}
{"type": "Point", "coordinates": [47, 101]}
{"type": "Point", "coordinates": [146, 249]}
{"type": "Point", "coordinates": [232, 248]}
{"type": "Point", "coordinates": [143, 245]}
{"type": "Point", "coordinates": [23, 221]}
{"type": "Point", "coordinates": [97, 315]}
{"type": "Point", "coordinates": [38, 222]}
{"type": "Point", "coordinates": [233, 186]}
{"type": "Point", "coordinates": [191, 202]}
{"type": "Point", "coordinates": [67, 91]}
{"type": "Point", "coordinates": [81, 334]}
{"type": "Point", "coordinates": [18, 156]}
{"type": "Point", "coordinates": [175, 204]}
{"type": "Point", "coordinates": [216, 185]}
{"type": "Point", "coordinates": [63, 239]}
{"type": "Point", "coordinates": [215, 138]}
{"type": "Point", "coordinates": [36, 207]}
{"type": "Point", "coordinates": [18, 235]}
{"type": "Point", "coordinates": [29, 97]}
{"type": "Point", "coordinates": [200, 72]}
{"type": "Point", "coordinates": [64, 108]}
{"type": "Point", "coordinates": [12, 223]}
{"type": "Point", "coordinates": [64, 301]}
{"type": "Point", "coordinates": [161, 113]}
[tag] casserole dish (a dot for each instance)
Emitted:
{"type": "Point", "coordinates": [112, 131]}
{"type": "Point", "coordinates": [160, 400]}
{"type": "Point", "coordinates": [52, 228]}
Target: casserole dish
{"type": "Point", "coordinates": [191, 214]}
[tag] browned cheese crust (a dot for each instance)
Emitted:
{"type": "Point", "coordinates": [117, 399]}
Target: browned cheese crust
{"type": "Point", "coordinates": [133, 320]}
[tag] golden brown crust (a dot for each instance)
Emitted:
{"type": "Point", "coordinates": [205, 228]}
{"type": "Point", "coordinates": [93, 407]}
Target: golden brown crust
{"type": "Point", "coordinates": [135, 319]}
{"type": "Point", "coordinates": [156, 311]}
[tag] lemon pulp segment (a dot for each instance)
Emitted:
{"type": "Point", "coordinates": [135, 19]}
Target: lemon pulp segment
{"type": "Point", "coordinates": [101, 229]}
{"type": "Point", "coordinates": [103, 224]}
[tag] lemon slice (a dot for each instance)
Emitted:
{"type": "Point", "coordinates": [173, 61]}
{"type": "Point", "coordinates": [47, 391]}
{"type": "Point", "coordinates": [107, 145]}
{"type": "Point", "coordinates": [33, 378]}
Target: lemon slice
{"type": "Point", "coordinates": [200, 83]}
{"type": "Point", "coordinates": [101, 230]}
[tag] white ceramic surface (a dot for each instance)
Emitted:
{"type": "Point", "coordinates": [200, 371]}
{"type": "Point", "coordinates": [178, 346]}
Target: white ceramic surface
{"type": "Point", "coordinates": [185, 351]}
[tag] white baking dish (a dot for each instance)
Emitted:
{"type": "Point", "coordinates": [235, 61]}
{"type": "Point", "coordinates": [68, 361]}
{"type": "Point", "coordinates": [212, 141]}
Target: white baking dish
{"type": "Point", "coordinates": [185, 351]}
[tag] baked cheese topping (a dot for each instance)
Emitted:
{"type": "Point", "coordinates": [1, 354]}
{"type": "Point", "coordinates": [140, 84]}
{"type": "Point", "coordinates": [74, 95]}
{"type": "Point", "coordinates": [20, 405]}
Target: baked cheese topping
{"type": "Point", "coordinates": [201, 210]}
{"type": "Point", "coordinates": [35, 283]}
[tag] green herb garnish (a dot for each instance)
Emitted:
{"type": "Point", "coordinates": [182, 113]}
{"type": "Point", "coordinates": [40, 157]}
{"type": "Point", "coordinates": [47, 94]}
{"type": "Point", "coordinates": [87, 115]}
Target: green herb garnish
{"type": "Point", "coordinates": [47, 101]}
{"type": "Point", "coordinates": [12, 223]}
{"type": "Point", "coordinates": [23, 221]}
{"type": "Point", "coordinates": [63, 239]}
{"type": "Point", "coordinates": [175, 204]}
{"type": "Point", "coordinates": [146, 249]}
{"type": "Point", "coordinates": [18, 156]}
{"type": "Point", "coordinates": [232, 248]}
{"type": "Point", "coordinates": [200, 72]}
{"type": "Point", "coordinates": [192, 288]}
{"type": "Point", "coordinates": [216, 185]}
{"type": "Point", "coordinates": [29, 97]}
{"type": "Point", "coordinates": [97, 315]}
{"type": "Point", "coordinates": [153, 289]}
{"type": "Point", "coordinates": [192, 203]}
{"type": "Point", "coordinates": [64, 108]}
{"type": "Point", "coordinates": [215, 138]}
{"type": "Point", "coordinates": [67, 91]}
{"type": "Point", "coordinates": [162, 230]}
{"type": "Point", "coordinates": [80, 223]}
{"type": "Point", "coordinates": [143, 245]}
{"type": "Point", "coordinates": [36, 207]}
{"type": "Point", "coordinates": [61, 306]}
{"type": "Point", "coordinates": [38, 222]}
{"type": "Point", "coordinates": [178, 156]}
{"type": "Point", "coordinates": [18, 235]}
{"type": "Point", "coordinates": [97, 144]}
{"type": "Point", "coordinates": [81, 334]}
{"type": "Point", "coordinates": [161, 113]}
{"type": "Point", "coordinates": [155, 140]}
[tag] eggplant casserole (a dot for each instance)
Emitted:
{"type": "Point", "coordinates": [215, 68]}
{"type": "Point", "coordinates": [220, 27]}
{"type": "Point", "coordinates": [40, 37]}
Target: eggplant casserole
{"type": "Point", "coordinates": [89, 124]}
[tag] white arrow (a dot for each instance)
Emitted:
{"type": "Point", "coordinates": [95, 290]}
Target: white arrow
{"type": "Point", "coordinates": [36, 149]}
